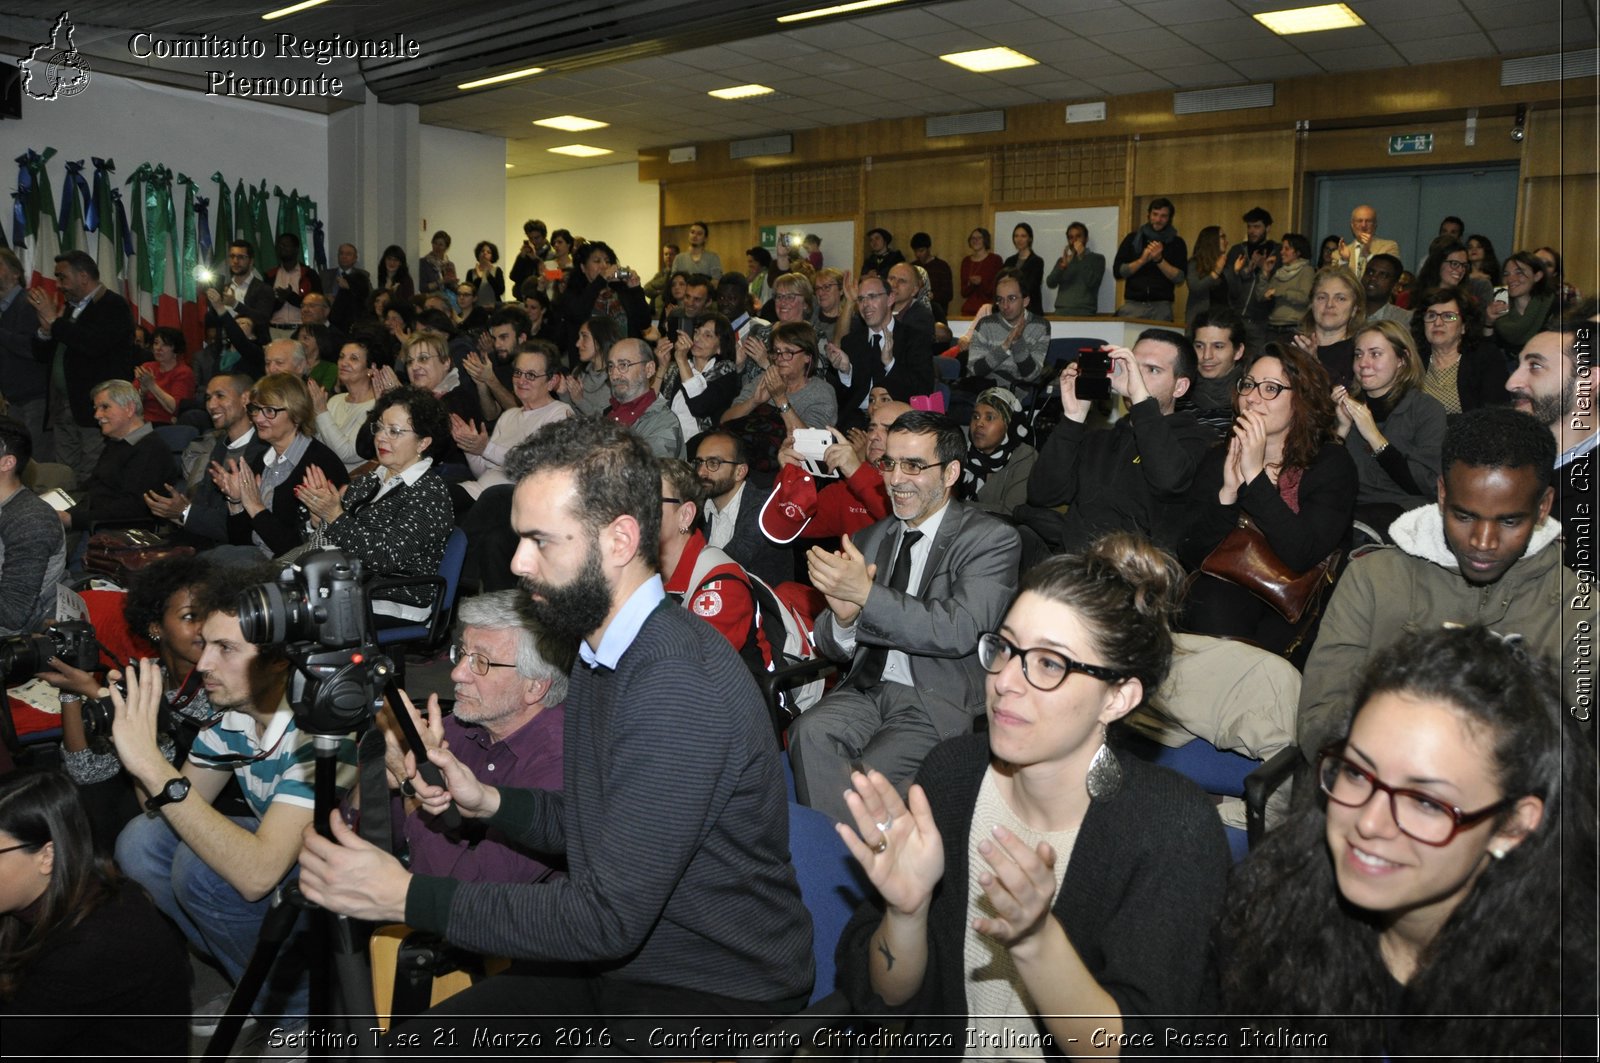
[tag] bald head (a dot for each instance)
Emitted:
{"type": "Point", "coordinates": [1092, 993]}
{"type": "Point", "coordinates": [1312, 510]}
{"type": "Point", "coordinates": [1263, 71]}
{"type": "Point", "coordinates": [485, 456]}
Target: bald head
{"type": "Point", "coordinates": [628, 368]}
{"type": "Point", "coordinates": [903, 285]}
{"type": "Point", "coordinates": [883, 415]}
{"type": "Point", "coordinates": [286, 356]}
{"type": "Point", "coordinates": [1363, 220]}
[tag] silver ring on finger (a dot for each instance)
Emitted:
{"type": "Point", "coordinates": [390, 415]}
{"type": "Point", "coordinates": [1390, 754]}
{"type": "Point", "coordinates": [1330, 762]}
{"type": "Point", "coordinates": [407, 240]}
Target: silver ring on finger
{"type": "Point", "coordinates": [882, 845]}
{"type": "Point", "coordinates": [885, 824]}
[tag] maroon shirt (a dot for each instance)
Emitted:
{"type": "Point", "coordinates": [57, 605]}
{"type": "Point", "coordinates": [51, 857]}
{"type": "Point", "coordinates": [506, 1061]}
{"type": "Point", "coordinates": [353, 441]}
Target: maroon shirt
{"type": "Point", "coordinates": [530, 757]}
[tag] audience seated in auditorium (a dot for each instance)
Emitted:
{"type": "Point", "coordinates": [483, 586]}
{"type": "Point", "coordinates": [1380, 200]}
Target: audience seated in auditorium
{"type": "Point", "coordinates": [699, 372]}
{"type": "Point", "coordinates": [881, 254]}
{"type": "Point", "coordinates": [941, 574]}
{"type": "Point", "coordinates": [1363, 228]}
{"type": "Point", "coordinates": [1284, 467]}
{"type": "Point", "coordinates": [435, 271]}
{"type": "Point", "coordinates": [1392, 428]}
{"type": "Point", "coordinates": [635, 404]}
{"type": "Point", "coordinates": [1208, 291]}
{"type": "Point", "coordinates": [395, 519]}
{"type": "Point", "coordinates": [844, 504]}
{"type": "Point", "coordinates": [1220, 339]}
{"type": "Point", "coordinates": [588, 387]}
{"type": "Point", "coordinates": [1284, 286]}
{"type": "Point", "coordinates": [597, 288]}
{"type": "Point", "coordinates": [731, 507]}
{"type": "Point", "coordinates": [1464, 370]}
{"type": "Point", "coordinates": [1037, 879]}
{"type": "Point", "coordinates": [994, 476]}
{"type": "Point", "coordinates": [1529, 304]}
{"type": "Point", "coordinates": [291, 281]}
{"type": "Point", "coordinates": [349, 286]}
{"type": "Point", "coordinates": [1028, 265]}
{"type": "Point", "coordinates": [167, 379]}
{"type": "Point", "coordinates": [1008, 342]}
{"type": "Point", "coordinates": [342, 417]}
{"type": "Point", "coordinates": [1242, 273]}
{"type": "Point", "coordinates": [509, 676]}
{"type": "Point", "coordinates": [787, 396]}
{"type": "Point", "coordinates": [33, 548]}
{"type": "Point", "coordinates": [1487, 553]}
{"type": "Point", "coordinates": [1132, 476]}
{"type": "Point", "coordinates": [978, 271]}
{"type": "Point", "coordinates": [428, 366]}
{"type": "Point", "coordinates": [941, 282]}
{"type": "Point", "coordinates": [697, 260]}
{"type": "Point", "coordinates": [535, 378]}
{"type": "Point", "coordinates": [132, 460]}
{"type": "Point", "coordinates": [263, 510]}
{"type": "Point", "coordinates": [1337, 312]}
{"type": "Point", "coordinates": [1378, 283]}
{"type": "Point", "coordinates": [195, 504]}
{"type": "Point", "coordinates": [1545, 385]}
{"type": "Point", "coordinates": [1452, 844]}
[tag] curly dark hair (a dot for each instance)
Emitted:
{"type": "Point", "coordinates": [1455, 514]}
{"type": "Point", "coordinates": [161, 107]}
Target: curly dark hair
{"type": "Point", "coordinates": [1498, 437]}
{"type": "Point", "coordinates": [153, 586]}
{"type": "Point", "coordinates": [223, 588]}
{"type": "Point", "coordinates": [1314, 423]}
{"type": "Point", "coordinates": [428, 415]}
{"type": "Point", "coordinates": [615, 473]}
{"type": "Point", "coordinates": [1290, 943]}
{"type": "Point", "coordinates": [1471, 315]}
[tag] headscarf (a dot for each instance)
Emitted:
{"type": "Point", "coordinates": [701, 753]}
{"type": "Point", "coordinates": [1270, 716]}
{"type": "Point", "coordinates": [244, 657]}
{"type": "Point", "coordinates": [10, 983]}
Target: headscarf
{"type": "Point", "coordinates": [978, 466]}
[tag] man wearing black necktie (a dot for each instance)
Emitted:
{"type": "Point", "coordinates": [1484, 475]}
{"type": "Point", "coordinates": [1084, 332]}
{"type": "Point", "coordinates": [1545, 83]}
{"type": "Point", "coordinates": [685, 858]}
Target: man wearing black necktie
{"type": "Point", "coordinates": [907, 601]}
{"type": "Point", "coordinates": [348, 287]}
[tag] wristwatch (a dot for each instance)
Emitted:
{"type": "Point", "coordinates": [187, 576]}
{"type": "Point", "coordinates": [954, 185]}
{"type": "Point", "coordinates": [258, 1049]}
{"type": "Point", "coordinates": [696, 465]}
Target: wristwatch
{"type": "Point", "coordinates": [174, 791]}
{"type": "Point", "coordinates": [786, 407]}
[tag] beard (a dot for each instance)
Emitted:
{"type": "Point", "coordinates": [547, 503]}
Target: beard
{"type": "Point", "coordinates": [576, 608]}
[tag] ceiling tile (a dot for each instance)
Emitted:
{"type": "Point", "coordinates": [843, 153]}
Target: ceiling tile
{"type": "Point", "coordinates": [1134, 43]}
{"type": "Point", "coordinates": [944, 43]}
{"type": "Point", "coordinates": [1359, 59]}
{"type": "Point", "coordinates": [1336, 40]}
{"type": "Point", "coordinates": [1379, 12]}
{"type": "Point", "coordinates": [829, 37]}
{"type": "Point", "coordinates": [1062, 8]}
{"type": "Point", "coordinates": [1096, 69]}
{"type": "Point", "coordinates": [1417, 29]}
{"type": "Point", "coordinates": [772, 46]}
{"type": "Point", "coordinates": [1464, 46]}
{"type": "Point", "coordinates": [982, 12]}
{"type": "Point", "coordinates": [1182, 12]}
{"type": "Point", "coordinates": [1139, 81]}
{"type": "Point", "coordinates": [1532, 38]}
{"type": "Point", "coordinates": [1269, 68]}
{"type": "Point", "coordinates": [1111, 20]}
{"type": "Point", "coordinates": [1065, 90]}
{"type": "Point", "coordinates": [878, 55]}
{"type": "Point", "coordinates": [1205, 74]}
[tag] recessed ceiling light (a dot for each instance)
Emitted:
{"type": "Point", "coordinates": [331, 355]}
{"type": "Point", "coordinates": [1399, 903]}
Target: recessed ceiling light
{"type": "Point", "coordinates": [481, 82]}
{"type": "Point", "coordinates": [837, 9]}
{"type": "Point", "coordinates": [570, 123]}
{"type": "Point", "coordinates": [739, 92]}
{"type": "Point", "coordinates": [1309, 19]}
{"type": "Point", "coordinates": [580, 151]}
{"type": "Point", "coordinates": [987, 60]}
{"type": "Point", "coordinates": [511, 166]}
{"type": "Point", "coordinates": [291, 9]}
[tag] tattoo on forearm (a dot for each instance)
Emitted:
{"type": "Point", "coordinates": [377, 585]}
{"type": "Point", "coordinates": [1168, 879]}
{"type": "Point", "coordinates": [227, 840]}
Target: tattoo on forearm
{"type": "Point", "coordinates": [888, 957]}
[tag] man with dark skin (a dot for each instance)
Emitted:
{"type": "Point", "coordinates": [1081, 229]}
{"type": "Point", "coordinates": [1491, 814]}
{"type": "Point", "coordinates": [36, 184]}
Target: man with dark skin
{"type": "Point", "coordinates": [1382, 272]}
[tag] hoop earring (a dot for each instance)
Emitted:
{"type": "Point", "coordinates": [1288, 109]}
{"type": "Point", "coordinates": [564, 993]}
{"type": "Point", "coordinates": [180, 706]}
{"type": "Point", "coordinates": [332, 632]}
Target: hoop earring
{"type": "Point", "coordinates": [1105, 773]}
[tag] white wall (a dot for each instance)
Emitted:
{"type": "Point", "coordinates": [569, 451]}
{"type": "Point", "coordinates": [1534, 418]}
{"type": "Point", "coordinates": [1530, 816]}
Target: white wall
{"type": "Point", "coordinates": [606, 203]}
{"type": "Point", "coordinates": [133, 122]}
{"type": "Point", "coordinates": [462, 190]}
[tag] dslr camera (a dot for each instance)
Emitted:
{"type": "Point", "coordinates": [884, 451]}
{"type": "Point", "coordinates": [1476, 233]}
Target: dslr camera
{"type": "Point", "coordinates": [24, 656]}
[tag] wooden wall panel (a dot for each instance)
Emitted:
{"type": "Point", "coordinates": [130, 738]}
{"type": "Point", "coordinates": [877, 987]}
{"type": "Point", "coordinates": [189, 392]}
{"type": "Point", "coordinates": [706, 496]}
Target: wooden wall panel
{"type": "Point", "coordinates": [948, 226]}
{"type": "Point", "coordinates": [728, 239]}
{"type": "Point", "coordinates": [937, 181]}
{"type": "Point", "coordinates": [720, 199]}
{"type": "Point", "coordinates": [1560, 212]}
{"type": "Point", "coordinates": [1219, 162]}
{"type": "Point", "coordinates": [1560, 141]}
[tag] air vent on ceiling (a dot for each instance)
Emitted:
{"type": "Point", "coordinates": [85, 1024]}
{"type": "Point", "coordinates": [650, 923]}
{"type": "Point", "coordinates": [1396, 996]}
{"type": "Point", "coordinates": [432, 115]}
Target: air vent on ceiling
{"type": "Point", "coordinates": [951, 125]}
{"type": "Point", "coordinates": [782, 144]}
{"type": "Point", "coordinates": [1553, 67]}
{"type": "Point", "coordinates": [1236, 98]}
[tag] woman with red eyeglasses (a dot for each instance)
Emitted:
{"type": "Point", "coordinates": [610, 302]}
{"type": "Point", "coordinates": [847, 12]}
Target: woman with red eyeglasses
{"type": "Point", "coordinates": [1444, 869]}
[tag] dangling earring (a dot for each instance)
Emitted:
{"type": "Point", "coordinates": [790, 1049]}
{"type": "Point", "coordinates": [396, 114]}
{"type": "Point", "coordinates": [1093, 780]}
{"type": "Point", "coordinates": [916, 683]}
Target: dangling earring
{"type": "Point", "coordinates": [155, 638]}
{"type": "Point", "coordinates": [1105, 773]}
{"type": "Point", "coordinates": [1498, 854]}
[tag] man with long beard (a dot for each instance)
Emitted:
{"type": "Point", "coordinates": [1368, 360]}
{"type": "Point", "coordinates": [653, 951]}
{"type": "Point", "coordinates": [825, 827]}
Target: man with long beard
{"type": "Point", "coordinates": [680, 899]}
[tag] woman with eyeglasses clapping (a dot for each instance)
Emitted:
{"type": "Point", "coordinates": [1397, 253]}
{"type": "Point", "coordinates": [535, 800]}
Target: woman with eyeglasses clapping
{"type": "Point", "coordinates": [397, 518]}
{"type": "Point", "coordinates": [263, 509]}
{"type": "Point", "coordinates": [1284, 468]}
{"type": "Point", "coordinates": [1437, 896]}
{"type": "Point", "coordinates": [1038, 884]}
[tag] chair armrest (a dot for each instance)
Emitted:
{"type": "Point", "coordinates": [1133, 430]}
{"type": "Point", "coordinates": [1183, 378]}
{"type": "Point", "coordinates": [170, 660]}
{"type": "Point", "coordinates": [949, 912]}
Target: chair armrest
{"type": "Point", "coordinates": [436, 615]}
{"type": "Point", "coordinates": [1260, 785]}
{"type": "Point", "coordinates": [782, 678]}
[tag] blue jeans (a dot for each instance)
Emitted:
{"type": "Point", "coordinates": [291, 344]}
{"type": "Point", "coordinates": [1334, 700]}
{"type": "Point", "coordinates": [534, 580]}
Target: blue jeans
{"type": "Point", "coordinates": [213, 915]}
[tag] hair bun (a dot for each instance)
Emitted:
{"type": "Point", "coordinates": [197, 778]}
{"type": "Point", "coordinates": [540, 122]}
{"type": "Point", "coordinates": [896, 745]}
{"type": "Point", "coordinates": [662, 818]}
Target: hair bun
{"type": "Point", "coordinates": [1154, 574]}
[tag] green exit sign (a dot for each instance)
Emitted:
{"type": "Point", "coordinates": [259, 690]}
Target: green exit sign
{"type": "Point", "coordinates": [1411, 144]}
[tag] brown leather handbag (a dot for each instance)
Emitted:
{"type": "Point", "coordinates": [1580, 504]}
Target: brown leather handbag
{"type": "Point", "coordinates": [1244, 557]}
{"type": "Point", "coordinates": [119, 554]}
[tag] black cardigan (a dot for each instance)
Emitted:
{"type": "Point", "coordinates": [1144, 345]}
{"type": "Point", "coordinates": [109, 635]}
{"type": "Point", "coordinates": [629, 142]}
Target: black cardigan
{"type": "Point", "coordinates": [1143, 885]}
{"type": "Point", "coordinates": [1327, 509]}
{"type": "Point", "coordinates": [282, 524]}
{"type": "Point", "coordinates": [1481, 375]}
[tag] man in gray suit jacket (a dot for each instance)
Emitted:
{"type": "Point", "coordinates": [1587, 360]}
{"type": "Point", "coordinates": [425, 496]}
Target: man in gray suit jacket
{"type": "Point", "coordinates": [906, 603]}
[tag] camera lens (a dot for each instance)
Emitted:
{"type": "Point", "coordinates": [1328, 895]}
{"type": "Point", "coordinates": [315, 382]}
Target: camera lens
{"type": "Point", "coordinates": [271, 613]}
{"type": "Point", "coordinates": [97, 716]}
{"type": "Point", "coordinates": [22, 656]}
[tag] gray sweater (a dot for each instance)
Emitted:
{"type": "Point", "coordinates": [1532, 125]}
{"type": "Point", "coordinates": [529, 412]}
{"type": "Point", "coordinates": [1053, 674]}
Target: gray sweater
{"type": "Point", "coordinates": [675, 828]}
{"type": "Point", "coordinates": [33, 559]}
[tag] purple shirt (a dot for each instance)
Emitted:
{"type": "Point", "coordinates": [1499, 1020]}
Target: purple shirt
{"type": "Point", "coordinates": [530, 757]}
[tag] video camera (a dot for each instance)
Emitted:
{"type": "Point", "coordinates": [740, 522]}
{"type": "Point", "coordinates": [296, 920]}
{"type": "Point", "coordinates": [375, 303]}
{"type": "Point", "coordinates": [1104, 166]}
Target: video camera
{"type": "Point", "coordinates": [24, 656]}
{"type": "Point", "coordinates": [319, 611]}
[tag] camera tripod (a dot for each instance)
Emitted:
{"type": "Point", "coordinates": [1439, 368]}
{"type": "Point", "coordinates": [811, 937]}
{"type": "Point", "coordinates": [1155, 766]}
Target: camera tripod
{"type": "Point", "coordinates": [323, 707]}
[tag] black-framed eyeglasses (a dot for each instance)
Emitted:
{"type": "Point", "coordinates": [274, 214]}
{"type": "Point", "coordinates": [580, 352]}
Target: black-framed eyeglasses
{"type": "Point", "coordinates": [786, 354]}
{"type": "Point", "coordinates": [668, 500]}
{"type": "Point", "coordinates": [1419, 816]}
{"type": "Point", "coordinates": [527, 374]}
{"type": "Point", "coordinates": [478, 662]}
{"type": "Point", "coordinates": [23, 845]}
{"type": "Point", "coordinates": [1271, 389]}
{"type": "Point", "coordinates": [712, 464]}
{"type": "Point", "coordinates": [624, 366]}
{"type": "Point", "coordinates": [269, 412]}
{"type": "Point", "coordinates": [1447, 316]}
{"type": "Point", "coordinates": [1044, 669]}
{"type": "Point", "coordinates": [909, 466]}
{"type": "Point", "coordinates": [1454, 264]}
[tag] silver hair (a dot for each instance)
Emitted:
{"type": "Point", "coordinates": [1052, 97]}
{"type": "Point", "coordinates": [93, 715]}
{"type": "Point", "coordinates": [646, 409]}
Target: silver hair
{"type": "Point", "coordinates": [121, 392]}
{"type": "Point", "coordinates": [535, 647]}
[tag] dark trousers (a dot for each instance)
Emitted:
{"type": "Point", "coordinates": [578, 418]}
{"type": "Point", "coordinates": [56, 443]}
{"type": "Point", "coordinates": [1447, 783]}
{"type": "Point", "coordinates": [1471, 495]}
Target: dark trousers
{"type": "Point", "coordinates": [566, 1015]}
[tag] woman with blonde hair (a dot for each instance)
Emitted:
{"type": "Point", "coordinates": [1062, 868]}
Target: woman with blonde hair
{"type": "Point", "coordinates": [1338, 310]}
{"type": "Point", "coordinates": [1392, 428]}
{"type": "Point", "coordinates": [262, 507]}
{"type": "Point", "coordinates": [835, 305]}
